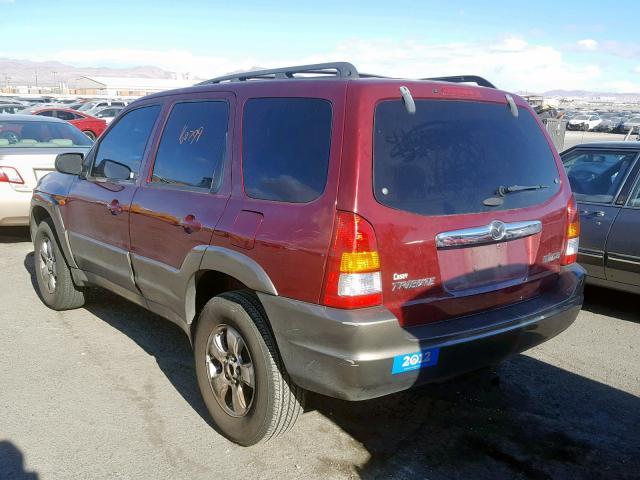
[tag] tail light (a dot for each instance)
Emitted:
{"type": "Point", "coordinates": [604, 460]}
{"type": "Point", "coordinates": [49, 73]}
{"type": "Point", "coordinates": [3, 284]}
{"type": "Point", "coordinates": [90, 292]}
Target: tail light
{"type": "Point", "coordinates": [10, 175]}
{"type": "Point", "coordinates": [353, 277]}
{"type": "Point", "coordinates": [572, 237]}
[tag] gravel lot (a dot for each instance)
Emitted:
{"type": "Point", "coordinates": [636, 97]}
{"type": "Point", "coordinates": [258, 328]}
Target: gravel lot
{"type": "Point", "coordinates": [109, 391]}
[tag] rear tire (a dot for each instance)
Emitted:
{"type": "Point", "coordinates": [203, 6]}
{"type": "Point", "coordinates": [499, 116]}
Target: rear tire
{"type": "Point", "coordinates": [90, 134]}
{"type": "Point", "coordinates": [269, 403]}
{"type": "Point", "coordinates": [55, 284]}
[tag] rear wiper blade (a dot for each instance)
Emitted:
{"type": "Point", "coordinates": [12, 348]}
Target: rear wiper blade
{"type": "Point", "coordinates": [502, 190]}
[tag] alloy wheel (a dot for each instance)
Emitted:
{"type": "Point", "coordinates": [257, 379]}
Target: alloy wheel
{"type": "Point", "coordinates": [230, 370]}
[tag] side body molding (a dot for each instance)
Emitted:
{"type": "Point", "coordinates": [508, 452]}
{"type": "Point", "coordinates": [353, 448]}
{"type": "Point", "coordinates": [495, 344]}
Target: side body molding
{"type": "Point", "coordinates": [171, 292]}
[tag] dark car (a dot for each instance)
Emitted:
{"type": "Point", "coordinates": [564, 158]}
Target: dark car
{"type": "Point", "coordinates": [612, 124]}
{"type": "Point", "coordinates": [310, 228]}
{"type": "Point", "coordinates": [604, 178]}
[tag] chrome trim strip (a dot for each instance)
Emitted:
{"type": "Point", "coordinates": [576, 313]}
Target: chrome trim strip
{"type": "Point", "coordinates": [616, 257]}
{"type": "Point", "coordinates": [496, 231]}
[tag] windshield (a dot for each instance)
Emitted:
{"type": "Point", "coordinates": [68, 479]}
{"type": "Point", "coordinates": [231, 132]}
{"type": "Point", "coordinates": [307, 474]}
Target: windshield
{"type": "Point", "coordinates": [581, 117]}
{"type": "Point", "coordinates": [634, 120]}
{"type": "Point", "coordinates": [450, 156]}
{"type": "Point", "coordinates": [30, 134]}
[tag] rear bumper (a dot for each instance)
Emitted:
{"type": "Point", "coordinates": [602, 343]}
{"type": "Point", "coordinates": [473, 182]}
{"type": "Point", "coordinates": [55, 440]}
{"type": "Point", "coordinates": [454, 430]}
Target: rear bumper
{"type": "Point", "coordinates": [349, 354]}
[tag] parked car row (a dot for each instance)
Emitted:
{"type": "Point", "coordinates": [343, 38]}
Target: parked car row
{"type": "Point", "coordinates": [620, 122]}
{"type": "Point", "coordinates": [91, 117]}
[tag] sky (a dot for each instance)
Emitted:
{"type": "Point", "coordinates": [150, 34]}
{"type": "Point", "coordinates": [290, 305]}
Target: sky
{"type": "Point", "coordinates": [530, 46]}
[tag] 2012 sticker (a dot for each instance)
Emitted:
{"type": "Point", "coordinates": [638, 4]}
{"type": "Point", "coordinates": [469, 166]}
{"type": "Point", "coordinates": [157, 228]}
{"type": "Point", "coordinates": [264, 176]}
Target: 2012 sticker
{"type": "Point", "coordinates": [415, 360]}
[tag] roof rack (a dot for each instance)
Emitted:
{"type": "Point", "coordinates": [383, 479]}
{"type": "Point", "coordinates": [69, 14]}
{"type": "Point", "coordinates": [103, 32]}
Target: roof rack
{"type": "Point", "coordinates": [482, 82]}
{"type": "Point", "coordinates": [336, 69]}
{"type": "Point", "coordinates": [332, 69]}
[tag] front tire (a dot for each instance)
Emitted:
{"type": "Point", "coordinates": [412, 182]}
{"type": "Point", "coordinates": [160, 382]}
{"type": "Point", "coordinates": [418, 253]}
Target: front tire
{"type": "Point", "coordinates": [55, 284]}
{"type": "Point", "coordinates": [240, 373]}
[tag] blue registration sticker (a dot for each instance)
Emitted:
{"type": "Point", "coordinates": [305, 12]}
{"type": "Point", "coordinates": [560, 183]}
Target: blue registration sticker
{"type": "Point", "coordinates": [415, 360]}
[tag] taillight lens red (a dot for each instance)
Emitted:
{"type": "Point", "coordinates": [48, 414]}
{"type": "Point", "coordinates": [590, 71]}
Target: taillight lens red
{"type": "Point", "coordinates": [352, 279]}
{"type": "Point", "coordinates": [10, 175]}
{"type": "Point", "coordinates": [572, 235]}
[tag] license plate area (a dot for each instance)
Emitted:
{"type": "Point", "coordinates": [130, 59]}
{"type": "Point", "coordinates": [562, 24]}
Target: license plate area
{"type": "Point", "coordinates": [486, 266]}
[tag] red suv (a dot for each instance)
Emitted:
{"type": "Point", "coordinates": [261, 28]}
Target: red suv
{"type": "Point", "coordinates": [312, 228]}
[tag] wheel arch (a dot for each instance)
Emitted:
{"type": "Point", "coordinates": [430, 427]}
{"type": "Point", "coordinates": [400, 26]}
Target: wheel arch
{"type": "Point", "coordinates": [223, 270]}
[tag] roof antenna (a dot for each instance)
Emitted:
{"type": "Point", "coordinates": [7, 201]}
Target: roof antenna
{"type": "Point", "coordinates": [512, 105]}
{"type": "Point", "coordinates": [409, 104]}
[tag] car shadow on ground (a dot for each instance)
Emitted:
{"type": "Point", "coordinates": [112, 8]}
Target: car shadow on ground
{"type": "Point", "coordinates": [14, 234]}
{"type": "Point", "coordinates": [612, 303]}
{"type": "Point", "coordinates": [524, 419]}
{"type": "Point", "coordinates": [12, 463]}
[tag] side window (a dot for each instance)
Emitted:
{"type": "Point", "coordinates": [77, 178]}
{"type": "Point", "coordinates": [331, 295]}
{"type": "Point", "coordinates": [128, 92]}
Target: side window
{"type": "Point", "coordinates": [285, 148]}
{"type": "Point", "coordinates": [596, 175]}
{"type": "Point", "coordinates": [61, 114]}
{"type": "Point", "coordinates": [193, 145]}
{"type": "Point", "coordinates": [125, 143]}
{"type": "Point", "coordinates": [46, 113]}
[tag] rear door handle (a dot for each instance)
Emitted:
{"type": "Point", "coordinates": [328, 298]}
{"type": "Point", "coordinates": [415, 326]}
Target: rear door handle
{"type": "Point", "coordinates": [114, 207]}
{"type": "Point", "coordinates": [594, 213]}
{"type": "Point", "coordinates": [190, 224]}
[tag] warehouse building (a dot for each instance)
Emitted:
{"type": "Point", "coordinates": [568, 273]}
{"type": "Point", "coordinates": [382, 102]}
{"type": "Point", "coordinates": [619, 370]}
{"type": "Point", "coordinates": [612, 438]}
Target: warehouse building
{"type": "Point", "coordinates": [124, 86]}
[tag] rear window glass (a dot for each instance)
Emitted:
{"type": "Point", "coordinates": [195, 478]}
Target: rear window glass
{"type": "Point", "coordinates": [45, 134]}
{"type": "Point", "coordinates": [450, 156]}
{"type": "Point", "coordinates": [596, 175]}
{"type": "Point", "coordinates": [285, 148]}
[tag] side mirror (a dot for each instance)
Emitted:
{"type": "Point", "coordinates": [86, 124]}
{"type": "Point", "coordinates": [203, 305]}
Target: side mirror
{"type": "Point", "coordinates": [69, 163]}
{"type": "Point", "coordinates": [116, 170]}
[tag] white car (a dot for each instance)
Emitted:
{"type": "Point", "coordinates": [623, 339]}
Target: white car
{"type": "Point", "coordinates": [29, 146]}
{"type": "Point", "coordinates": [106, 114]}
{"type": "Point", "coordinates": [584, 122]}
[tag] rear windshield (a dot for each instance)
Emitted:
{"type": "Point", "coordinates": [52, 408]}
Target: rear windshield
{"type": "Point", "coordinates": [34, 134]}
{"type": "Point", "coordinates": [450, 156]}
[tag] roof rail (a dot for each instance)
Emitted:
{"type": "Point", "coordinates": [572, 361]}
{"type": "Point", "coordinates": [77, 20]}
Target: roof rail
{"type": "Point", "coordinates": [482, 82]}
{"type": "Point", "coordinates": [336, 69]}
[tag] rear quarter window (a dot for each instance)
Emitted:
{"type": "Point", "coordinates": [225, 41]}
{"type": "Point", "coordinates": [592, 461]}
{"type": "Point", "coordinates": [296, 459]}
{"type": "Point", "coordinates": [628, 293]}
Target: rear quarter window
{"type": "Point", "coordinates": [451, 155]}
{"type": "Point", "coordinates": [285, 148]}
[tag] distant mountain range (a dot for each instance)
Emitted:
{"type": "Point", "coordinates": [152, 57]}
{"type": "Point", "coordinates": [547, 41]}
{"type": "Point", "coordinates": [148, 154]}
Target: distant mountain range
{"type": "Point", "coordinates": [24, 72]}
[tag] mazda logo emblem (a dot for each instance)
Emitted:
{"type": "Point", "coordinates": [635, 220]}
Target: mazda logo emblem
{"type": "Point", "coordinates": [497, 230]}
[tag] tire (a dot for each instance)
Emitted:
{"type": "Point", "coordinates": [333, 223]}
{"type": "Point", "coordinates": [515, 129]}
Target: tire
{"type": "Point", "coordinates": [90, 134]}
{"type": "Point", "coordinates": [61, 293]}
{"type": "Point", "coordinates": [273, 405]}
